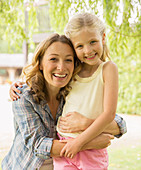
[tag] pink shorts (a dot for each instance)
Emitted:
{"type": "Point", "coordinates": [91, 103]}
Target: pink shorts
{"type": "Point", "coordinates": [95, 159]}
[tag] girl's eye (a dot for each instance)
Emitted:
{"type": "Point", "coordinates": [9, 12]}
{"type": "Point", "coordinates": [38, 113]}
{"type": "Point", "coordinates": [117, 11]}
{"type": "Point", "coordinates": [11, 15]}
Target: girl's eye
{"type": "Point", "coordinates": [92, 42]}
{"type": "Point", "coordinates": [79, 46]}
{"type": "Point", "coordinates": [69, 60]}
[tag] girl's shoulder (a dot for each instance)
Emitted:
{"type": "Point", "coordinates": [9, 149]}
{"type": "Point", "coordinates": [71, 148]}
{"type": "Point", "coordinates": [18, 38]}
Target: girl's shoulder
{"type": "Point", "coordinates": [110, 70]}
{"type": "Point", "coordinates": [109, 65]}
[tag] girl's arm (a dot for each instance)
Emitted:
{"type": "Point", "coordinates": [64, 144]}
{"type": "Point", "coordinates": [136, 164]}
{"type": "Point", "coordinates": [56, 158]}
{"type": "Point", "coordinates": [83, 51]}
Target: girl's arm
{"type": "Point", "coordinates": [100, 142]}
{"type": "Point", "coordinates": [34, 134]}
{"type": "Point", "coordinates": [14, 90]}
{"type": "Point", "coordinates": [110, 76]}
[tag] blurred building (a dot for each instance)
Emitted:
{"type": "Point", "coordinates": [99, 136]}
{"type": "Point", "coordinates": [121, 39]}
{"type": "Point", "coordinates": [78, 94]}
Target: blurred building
{"type": "Point", "coordinates": [10, 67]}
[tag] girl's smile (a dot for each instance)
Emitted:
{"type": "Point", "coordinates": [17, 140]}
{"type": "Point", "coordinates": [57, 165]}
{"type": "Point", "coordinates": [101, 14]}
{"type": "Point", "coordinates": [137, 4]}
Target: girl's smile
{"type": "Point", "coordinates": [89, 47]}
{"type": "Point", "coordinates": [90, 57]}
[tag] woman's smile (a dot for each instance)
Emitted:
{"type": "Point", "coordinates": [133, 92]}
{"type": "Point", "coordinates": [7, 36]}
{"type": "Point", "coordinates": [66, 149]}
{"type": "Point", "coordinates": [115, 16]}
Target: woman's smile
{"type": "Point", "coordinates": [57, 75]}
{"type": "Point", "coordinates": [58, 65]}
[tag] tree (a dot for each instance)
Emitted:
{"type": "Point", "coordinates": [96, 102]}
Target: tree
{"type": "Point", "coordinates": [123, 21]}
{"type": "Point", "coordinates": [18, 21]}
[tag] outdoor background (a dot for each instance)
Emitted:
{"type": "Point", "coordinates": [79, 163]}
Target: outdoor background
{"type": "Point", "coordinates": [24, 23]}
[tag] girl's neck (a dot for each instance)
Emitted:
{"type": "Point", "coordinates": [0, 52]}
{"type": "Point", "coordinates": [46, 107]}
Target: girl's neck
{"type": "Point", "coordinates": [88, 70]}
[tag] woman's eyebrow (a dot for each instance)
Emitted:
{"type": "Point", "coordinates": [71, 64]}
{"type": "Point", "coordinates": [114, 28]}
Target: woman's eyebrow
{"type": "Point", "coordinates": [53, 54]}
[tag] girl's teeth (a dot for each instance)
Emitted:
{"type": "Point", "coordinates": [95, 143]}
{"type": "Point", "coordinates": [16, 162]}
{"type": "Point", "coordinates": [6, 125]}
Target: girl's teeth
{"type": "Point", "coordinates": [59, 75]}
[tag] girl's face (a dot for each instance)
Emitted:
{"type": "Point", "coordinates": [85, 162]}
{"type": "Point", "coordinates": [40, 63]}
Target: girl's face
{"type": "Point", "coordinates": [88, 45]}
{"type": "Point", "coordinates": [57, 65]}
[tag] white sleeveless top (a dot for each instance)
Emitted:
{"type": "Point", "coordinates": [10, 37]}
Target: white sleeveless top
{"type": "Point", "coordinates": [86, 97]}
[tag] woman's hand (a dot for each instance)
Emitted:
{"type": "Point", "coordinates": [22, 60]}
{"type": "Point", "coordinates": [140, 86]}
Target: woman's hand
{"type": "Point", "coordinates": [100, 142]}
{"type": "Point", "coordinates": [13, 90]}
{"type": "Point", "coordinates": [74, 122]}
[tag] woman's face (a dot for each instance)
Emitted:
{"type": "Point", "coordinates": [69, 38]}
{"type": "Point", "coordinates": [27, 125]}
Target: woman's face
{"type": "Point", "coordinates": [57, 65]}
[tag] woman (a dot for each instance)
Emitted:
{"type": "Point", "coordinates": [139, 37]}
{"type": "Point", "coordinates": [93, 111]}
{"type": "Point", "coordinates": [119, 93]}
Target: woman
{"type": "Point", "coordinates": [41, 102]}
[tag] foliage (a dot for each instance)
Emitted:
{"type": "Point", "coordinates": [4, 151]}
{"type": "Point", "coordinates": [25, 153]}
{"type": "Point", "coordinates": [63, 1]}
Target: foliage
{"type": "Point", "coordinates": [123, 22]}
{"type": "Point", "coordinates": [13, 14]}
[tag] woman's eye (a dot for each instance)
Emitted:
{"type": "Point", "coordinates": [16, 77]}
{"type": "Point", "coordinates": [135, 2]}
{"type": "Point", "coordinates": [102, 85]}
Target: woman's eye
{"type": "Point", "coordinates": [53, 59]}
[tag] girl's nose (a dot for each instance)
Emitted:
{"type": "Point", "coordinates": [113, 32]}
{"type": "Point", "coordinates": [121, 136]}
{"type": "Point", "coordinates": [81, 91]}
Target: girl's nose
{"type": "Point", "coordinates": [87, 50]}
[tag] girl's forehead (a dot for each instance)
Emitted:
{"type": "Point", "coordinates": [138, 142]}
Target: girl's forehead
{"type": "Point", "coordinates": [86, 34]}
{"type": "Point", "coordinates": [87, 31]}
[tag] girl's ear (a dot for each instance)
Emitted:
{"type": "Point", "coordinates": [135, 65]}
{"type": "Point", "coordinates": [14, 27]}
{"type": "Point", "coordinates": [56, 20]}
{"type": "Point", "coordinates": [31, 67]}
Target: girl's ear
{"type": "Point", "coordinates": [40, 67]}
{"type": "Point", "coordinates": [103, 39]}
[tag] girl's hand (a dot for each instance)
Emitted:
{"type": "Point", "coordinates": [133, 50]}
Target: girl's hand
{"type": "Point", "coordinates": [71, 148]}
{"type": "Point", "coordinates": [13, 90]}
{"type": "Point", "coordinates": [74, 122]}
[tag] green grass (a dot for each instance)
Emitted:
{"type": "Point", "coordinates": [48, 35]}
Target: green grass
{"type": "Point", "coordinates": [125, 158]}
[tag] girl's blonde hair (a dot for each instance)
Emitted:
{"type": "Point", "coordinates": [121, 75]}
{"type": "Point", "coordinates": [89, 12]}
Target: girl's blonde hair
{"type": "Point", "coordinates": [34, 76]}
{"type": "Point", "coordinates": [90, 21]}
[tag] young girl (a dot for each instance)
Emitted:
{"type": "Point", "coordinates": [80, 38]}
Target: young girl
{"type": "Point", "coordinates": [94, 93]}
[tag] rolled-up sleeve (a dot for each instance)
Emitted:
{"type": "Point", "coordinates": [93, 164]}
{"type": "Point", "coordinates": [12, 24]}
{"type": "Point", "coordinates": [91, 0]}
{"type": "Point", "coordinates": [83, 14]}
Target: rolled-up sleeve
{"type": "Point", "coordinates": [122, 125]}
{"type": "Point", "coordinates": [28, 121]}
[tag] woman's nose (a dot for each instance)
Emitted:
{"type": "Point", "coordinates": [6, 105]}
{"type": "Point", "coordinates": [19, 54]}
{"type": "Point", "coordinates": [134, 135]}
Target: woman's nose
{"type": "Point", "coordinates": [61, 66]}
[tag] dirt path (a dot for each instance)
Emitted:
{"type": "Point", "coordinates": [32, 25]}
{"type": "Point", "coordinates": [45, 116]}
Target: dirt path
{"type": "Point", "coordinates": [133, 136]}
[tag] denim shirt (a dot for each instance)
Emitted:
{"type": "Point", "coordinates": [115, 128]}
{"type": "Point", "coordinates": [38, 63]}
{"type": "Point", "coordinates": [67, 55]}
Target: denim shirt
{"type": "Point", "coordinates": [35, 130]}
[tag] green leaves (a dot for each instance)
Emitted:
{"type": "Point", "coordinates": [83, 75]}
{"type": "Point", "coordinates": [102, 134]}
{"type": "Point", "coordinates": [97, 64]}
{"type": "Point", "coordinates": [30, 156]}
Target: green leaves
{"type": "Point", "coordinates": [59, 14]}
{"type": "Point", "coordinates": [123, 21]}
{"type": "Point", "coordinates": [124, 41]}
{"type": "Point", "coordinates": [12, 19]}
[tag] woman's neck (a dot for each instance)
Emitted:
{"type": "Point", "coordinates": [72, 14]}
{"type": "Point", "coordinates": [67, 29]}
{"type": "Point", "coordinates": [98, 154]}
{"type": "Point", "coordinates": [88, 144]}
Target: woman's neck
{"type": "Point", "coordinates": [53, 106]}
{"type": "Point", "coordinates": [53, 102]}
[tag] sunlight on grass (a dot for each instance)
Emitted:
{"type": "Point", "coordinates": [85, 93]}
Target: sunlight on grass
{"type": "Point", "coordinates": [125, 158]}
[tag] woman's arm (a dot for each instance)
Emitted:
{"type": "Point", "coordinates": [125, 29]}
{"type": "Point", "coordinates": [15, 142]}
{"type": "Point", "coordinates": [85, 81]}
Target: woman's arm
{"type": "Point", "coordinates": [29, 122]}
{"type": "Point", "coordinates": [35, 135]}
{"type": "Point", "coordinates": [74, 122]}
